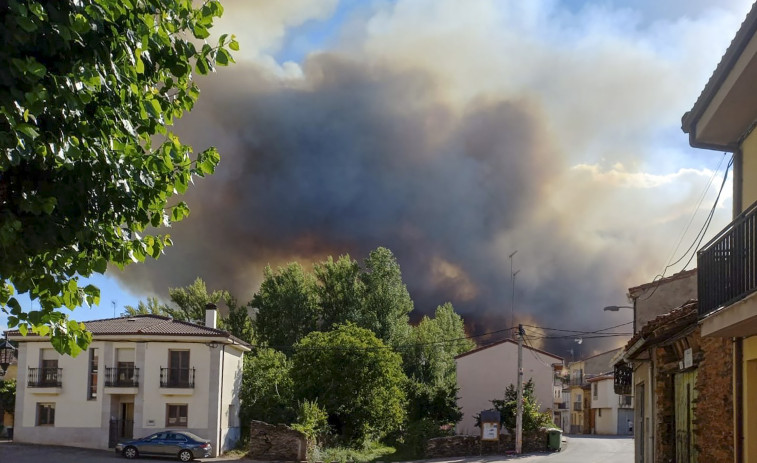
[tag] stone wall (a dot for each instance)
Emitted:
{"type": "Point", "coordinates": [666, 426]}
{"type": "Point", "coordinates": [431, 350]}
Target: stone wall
{"type": "Point", "coordinates": [461, 446]}
{"type": "Point", "coordinates": [276, 443]}
{"type": "Point", "coordinates": [714, 407]}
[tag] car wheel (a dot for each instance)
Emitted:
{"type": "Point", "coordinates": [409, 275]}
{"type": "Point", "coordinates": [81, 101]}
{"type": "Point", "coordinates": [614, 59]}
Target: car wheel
{"type": "Point", "coordinates": [130, 453]}
{"type": "Point", "coordinates": [185, 455]}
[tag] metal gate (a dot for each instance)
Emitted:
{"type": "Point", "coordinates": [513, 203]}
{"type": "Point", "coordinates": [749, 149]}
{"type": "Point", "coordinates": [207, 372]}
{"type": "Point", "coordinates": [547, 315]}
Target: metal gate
{"type": "Point", "coordinates": [685, 396]}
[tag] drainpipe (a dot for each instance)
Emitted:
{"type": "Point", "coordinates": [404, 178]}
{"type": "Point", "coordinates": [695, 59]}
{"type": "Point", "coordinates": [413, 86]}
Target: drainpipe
{"type": "Point", "coordinates": [738, 411]}
{"type": "Point", "coordinates": [220, 405]}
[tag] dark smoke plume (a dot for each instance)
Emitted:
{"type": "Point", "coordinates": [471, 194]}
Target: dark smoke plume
{"type": "Point", "coordinates": [361, 153]}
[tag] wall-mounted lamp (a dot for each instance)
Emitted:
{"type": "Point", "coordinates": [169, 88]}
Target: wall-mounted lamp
{"type": "Point", "coordinates": [7, 353]}
{"type": "Point", "coordinates": [212, 344]}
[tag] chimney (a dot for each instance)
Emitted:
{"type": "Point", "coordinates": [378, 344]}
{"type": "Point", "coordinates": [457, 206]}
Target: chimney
{"type": "Point", "coordinates": [210, 315]}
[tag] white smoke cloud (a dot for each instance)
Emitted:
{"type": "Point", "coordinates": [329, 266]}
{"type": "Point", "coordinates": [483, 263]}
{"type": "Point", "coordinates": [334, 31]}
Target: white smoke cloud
{"type": "Point", "coordinates": [456, 132]}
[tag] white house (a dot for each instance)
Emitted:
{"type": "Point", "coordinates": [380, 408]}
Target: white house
{"type": "Point", "coordinates": [139, 375]}
{"type": "Point", "coordinates": [613, 413]}
{"type": "Point", "coordinates": [484, 373]}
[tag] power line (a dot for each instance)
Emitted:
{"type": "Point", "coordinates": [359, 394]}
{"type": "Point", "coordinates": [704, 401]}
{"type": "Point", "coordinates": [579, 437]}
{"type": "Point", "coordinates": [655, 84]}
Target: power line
{"type": "Point", "coordinates": [585, 334]}
{"type": "Point", "coordinates": [697, 239]}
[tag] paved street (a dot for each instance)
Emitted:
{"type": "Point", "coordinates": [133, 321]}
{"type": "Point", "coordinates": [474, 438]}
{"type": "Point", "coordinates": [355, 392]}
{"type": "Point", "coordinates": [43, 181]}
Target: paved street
{"type": "Point", "coordinates": [580, 449]}
{"type": "Point", "coordinates": [23, 453]}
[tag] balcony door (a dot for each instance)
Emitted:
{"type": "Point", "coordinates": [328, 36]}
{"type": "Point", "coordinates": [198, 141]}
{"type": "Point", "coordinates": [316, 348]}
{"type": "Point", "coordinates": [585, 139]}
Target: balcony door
{"type": "Point", "coordinates": [178, 364]}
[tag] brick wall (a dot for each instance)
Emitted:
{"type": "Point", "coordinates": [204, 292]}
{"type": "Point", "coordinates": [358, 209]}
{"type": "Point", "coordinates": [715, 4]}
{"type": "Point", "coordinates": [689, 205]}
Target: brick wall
{"type": "Point", "coordinates": [714, 407]}
{"type": "Point", "coordinates": [276, 443]}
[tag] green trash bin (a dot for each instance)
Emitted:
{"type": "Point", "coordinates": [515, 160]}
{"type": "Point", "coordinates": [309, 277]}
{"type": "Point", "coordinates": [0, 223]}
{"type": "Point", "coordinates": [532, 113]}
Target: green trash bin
{"type": "Point", "coordinates": [554, 439]}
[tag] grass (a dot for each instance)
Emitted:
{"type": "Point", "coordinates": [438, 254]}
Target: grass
{"type": "Point", "coordinates": [371, 452]}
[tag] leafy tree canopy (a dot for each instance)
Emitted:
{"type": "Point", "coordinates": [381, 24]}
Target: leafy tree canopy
{"type": "Point", "coordinates": [89, 90]}
{"type": "Point", "coordinates": [189, 301]}
{"type": "Point", "coordinates": [267, 389]}
{"type": "Point", "coordinates": [532, 418]}
{"type": "Point", "coordinates": [291, 302]}
{"type": "Point", "coordinates": [8, 396]}
{"type": "Point", "coordinates": [355, 377]}
{"type": "Point", "coordinates": [152, 307]}
{"type": "Point", "coordinates": [238, 321]}
{"type": "Point", "coordinates": [287, 306]}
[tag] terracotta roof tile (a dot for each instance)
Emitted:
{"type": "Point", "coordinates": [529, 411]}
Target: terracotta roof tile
{"type": "Point", "coordinates": [676, 318]}
{"type": "Point", "coordinates": [149, 325]}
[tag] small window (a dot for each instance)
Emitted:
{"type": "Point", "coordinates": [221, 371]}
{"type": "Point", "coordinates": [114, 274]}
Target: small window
{"type": "Point", "coordinates": [596, 390]}
{"type": "Point", "coordinates": [176, 415]}
{"type": "Point", "coordinates": [600, 412]}
{"type": "Point", "coordinates": [45, 414]}
{"type": "Point", "coordinates": [92, 386]}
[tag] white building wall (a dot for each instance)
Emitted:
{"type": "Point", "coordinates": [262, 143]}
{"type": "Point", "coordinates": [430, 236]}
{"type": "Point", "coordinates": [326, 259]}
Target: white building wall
{"type": "Point", "coordinates": [75, 416]}
{"type": "Point", "coordinates": [607, 423]}
{"type": "Point", "coordinates": [85, 423]}
{"type": "Point", "coordinates": [606, 401]}
{"type": "Point", "coordinates": [483, 376]}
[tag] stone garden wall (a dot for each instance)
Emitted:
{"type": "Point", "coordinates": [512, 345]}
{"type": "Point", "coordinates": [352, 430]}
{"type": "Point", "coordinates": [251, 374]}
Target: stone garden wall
{"type": "Point", "coordinates": [462, 446]}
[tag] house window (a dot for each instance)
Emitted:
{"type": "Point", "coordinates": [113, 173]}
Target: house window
{"type": "Point", "coordinates": [92, 381]}
{"type": "Point", "coordinates": [178, 364]}
{"type": "Point", "coordinates": [596, 389]}
{"type": "Point", "coordinates": [176, 415]}
{"type": "Point", "coordinates": [45, 414]}
{"type": "Point", "coordinates": [599, 411]}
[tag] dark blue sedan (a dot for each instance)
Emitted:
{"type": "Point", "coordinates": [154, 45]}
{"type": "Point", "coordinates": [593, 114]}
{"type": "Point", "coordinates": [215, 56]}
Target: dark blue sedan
{"type": "Point", "coordinates": [184, 445]}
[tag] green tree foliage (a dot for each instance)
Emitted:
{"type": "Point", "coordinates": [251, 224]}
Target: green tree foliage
{"type": "Point", "coordinates": [386, 302]}
{"type": "Point", "coordinates": [88, 93]}
{"type": "Point", "coordinates": [8, 396]}
{"type": "Point", "coordinates": [190, 301]}
{"type": "Point", "coordinates": [291, 302]}
{"type": "Point", "coordinates": [152, 307]}
{"type": "Point", "coordinates": [430, 361]}
{"type": "Point", "coordinates": [287, 306]}
{"type": "Point", "coordinates": [340, 291]}
{"type": "Point", "coordinates": [312, 420]}
{"type": "Point", "coordinates": [355, 378]}
{"type": "Point", "coordinates": [238, 321]}
{"type": "Point", "coordinates": [267, 388]}
{"type": "Point", "coordinates": [532, 418]}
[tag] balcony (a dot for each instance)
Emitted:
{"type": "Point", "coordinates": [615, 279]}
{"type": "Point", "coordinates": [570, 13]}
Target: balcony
{"type": "Point", "coordinates": [578, 406]}
{"type": "Point", "coordinates": [121, 380]}
{"type": "Point", "coordinates": [625, 401]}
{"type": "Point", "coordinates": [45, 380]}
{"type": "Point", "coordinates": [727, 265]}
{"type": "Point", "coordinates": [562, 406]}
{"type": "Point", "coordinates": [177, 381]}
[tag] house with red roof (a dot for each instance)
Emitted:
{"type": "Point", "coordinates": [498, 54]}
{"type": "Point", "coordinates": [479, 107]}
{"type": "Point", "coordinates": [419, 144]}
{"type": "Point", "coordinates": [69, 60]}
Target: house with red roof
{"type": "Point", "coordinates": [139, 375]}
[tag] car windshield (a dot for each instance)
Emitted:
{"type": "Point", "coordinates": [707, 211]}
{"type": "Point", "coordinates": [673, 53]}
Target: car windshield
{"type": "Point", "coordinates": [193, 436]}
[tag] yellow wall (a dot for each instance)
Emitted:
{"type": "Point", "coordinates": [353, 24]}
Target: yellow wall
{"type": "Point", "coordinates": [749, 187]}
{"type": "Point", "coordinates": [750, 398]}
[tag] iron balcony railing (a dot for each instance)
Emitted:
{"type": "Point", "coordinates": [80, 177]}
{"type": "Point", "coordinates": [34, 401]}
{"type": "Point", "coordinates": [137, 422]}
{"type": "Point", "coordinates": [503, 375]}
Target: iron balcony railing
{"type": "Point", "coordinates": [625, 401]}
{"type": "Point", "coordinates": [177, 377]}
{"type": "Point", "coordinates": [579, 380]}
{"type": "Point", "coordinates": [562, 406]}
{"type": "Point", "coordinates": [727, 265]}
{"type": "Point", "coordinates": [578, 406]}
{"type": "Point", "coordinates": [121, 377]}
{"type": "Point", "coordinates": [45, 377]}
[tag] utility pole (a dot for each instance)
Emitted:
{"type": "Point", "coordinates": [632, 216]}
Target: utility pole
{"type": "Point", "coordinates": [519, 412]}
{"type": "Point", "coordinates": [512, 300]}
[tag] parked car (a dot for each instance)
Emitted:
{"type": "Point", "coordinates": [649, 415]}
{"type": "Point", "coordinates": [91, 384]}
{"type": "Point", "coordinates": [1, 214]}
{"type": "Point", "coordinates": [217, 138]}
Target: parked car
{"type": "Point", "coordinates": [184, 445]}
